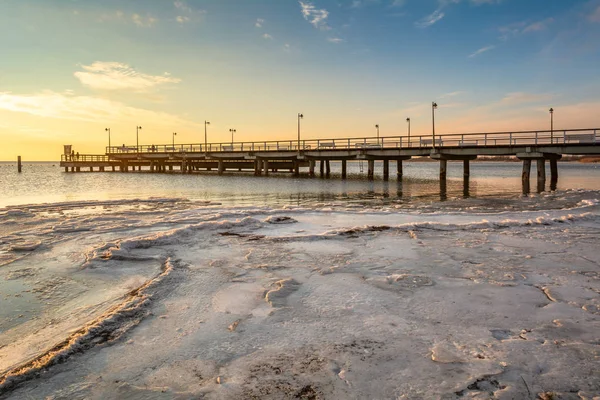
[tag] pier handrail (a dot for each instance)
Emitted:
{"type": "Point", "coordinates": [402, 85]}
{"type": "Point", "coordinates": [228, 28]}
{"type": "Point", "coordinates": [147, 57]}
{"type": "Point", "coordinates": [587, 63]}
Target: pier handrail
{"type": "Point", "coordinates": [472, 139]}
{"type": "Point", "coordinates": [83, 158]}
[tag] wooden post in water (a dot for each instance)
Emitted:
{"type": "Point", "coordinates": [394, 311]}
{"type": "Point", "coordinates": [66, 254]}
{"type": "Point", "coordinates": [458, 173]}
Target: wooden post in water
{"type": "Point", "coordinates": [443, 169]}
{"type": "Point", "coordinates": [541, 174]}
{"type": "Point", "coordinates": [327, 168]}
{"type": "Point", "coordinates": [221, 167]}
{"type": "Point", "coordinates": [370, 169]}
{"type": "Point", "coordinates": [266, 167]}
{"type": "Point", "coordinates": [553, 174]}
{"type": "Point", "coordinates": [296, 168]}
{"type": "Point", "coordinates": [466, 169]}
{"type": "Point", "coordinates": [386, 170]}
{"type": "Point", "coordinates": [344, 168]}
{"type": "Point", "coordinates": [525, 176]}
{"type": "Point", "coordinates": [400, 171]}
{"type": "Point", "coordinates": [311, 167]}
{"type": "Point", "coordinates": [19, 166]}
{"type": "Point", "coordinates": [322, 168]}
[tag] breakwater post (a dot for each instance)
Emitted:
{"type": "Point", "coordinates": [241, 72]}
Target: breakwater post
{"type": "Point", "coordinates": [19, 164]}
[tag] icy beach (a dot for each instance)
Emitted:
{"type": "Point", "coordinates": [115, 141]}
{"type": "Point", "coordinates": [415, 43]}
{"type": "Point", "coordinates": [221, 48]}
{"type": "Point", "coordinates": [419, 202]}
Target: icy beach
{"type": "Point", "coordinates": [171, 298]}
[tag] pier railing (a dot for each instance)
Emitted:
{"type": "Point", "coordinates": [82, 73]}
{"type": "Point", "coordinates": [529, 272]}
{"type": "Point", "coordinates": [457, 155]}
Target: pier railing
{"type": "Point", "coordinates": [84, 158]}
{"type": "Point", "coordinates": [493, 139]}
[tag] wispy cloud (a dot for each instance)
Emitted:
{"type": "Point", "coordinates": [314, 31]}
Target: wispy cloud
{"type": "Point", "coordinates": [538, 26]}
{"type": "Point", "coordinates": [182, 6]}
{"type": "Point", "coordinates": [267, 36]}
{"type": "Point", "coordinates": [398, 3]}
{"type": "Point", "coordinates": [259, 22]}
{"type": "Point", "coordinates": [335, 40]}
{"type": "Point", "coordinates": [451, 94]}
{"type": "Point", "coordinates": [182, 19]}
{"type": "Point", "coordinates": [519, 28]}
{"type": "Point", "coordinates": [481, 50]}
{"type": "Point", "coordinates": [524, 97]}
{"type": "Point", "coordinates": [117, 76]}
{"type": "Point", "coordinates": [431, 19]}
{"type": "Point", "coordinates": [317, 17]}
{"type": "Point", "coordinates": [50, 104]}
{"type": "Point", "coordinates": [595, 15]}
{"type": "Point", "coordinates": [144, 22]}
{"type": "Point", "coordinates": [287, 48]}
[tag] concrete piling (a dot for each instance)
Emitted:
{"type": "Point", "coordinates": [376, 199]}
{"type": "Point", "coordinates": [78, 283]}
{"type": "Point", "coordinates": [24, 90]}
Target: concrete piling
{"type": "Point", "coordinates": [344, 168]}
{"type": "Point", "coordinates": [370, 169]}
{"type": "Point", "coordinates": [443, 169]}
{"type": "Point", "coordinates": [525, 176]}
{"type": "Point", "coordinates": [400, 171]}
{"type": "Point", "coordinates": [386, 170]}
{"type": "Point", "coordinates": [19, 165]}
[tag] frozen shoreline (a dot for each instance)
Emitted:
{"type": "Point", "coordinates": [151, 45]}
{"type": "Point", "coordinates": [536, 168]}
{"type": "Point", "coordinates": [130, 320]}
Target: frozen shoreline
{"type": "Point", "coordinates": [336, 302]}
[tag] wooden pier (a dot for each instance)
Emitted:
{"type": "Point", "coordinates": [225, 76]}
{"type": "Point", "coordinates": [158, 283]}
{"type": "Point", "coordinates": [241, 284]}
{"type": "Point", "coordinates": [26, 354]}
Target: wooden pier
{"type": "Point", "coordinates": [292, 156]}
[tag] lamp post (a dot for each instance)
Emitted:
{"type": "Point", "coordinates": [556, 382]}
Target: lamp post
{"type": "Point", "coordinates": [205, 141]}
{"type": "Point", "coordinates": [433, 108]}
{"type": "Point", "coordinates": [108, 130]}
{"type": "Point", "coordinates": [377, 127]}
{"type": "Point", "coordinates": [137, 138]}
{"type": "Point", "coordinates": [408, 120]}
{"type": "Point", "coordinates": [551, 125]}
{"type": "Point", "coordinates": [232, 132]}
{"type": "Point", "coordinates": [300, 116]}
{"type": "Point", "coordinates": [174, 134]}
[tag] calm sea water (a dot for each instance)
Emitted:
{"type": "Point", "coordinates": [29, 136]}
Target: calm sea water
{"type": "Point", "coordinates": [45, 182]}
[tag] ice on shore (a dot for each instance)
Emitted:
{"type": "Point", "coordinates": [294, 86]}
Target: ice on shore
{"type": "Point", "coordinates": [172, 299]}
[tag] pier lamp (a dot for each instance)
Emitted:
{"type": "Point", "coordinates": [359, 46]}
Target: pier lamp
{"type": "Point", "coordinates": [205, 142]}
{"type": "Point", "coordinates": [433, 108]}
{"type": "Point", "coordinates": [232, 132]}
{"type": "Point", "coordinates": [408, 121]}
{"type": "Point", "coordinates": [377, 127]}
{"type": "Point", "coordinates": [108, 130]}
{"type": "Point", "coordinates": [300, 116]}
{"type": "Point", "coordinates": [174, 134]}
{"type": "Point", "coordinates": [137, 138]}
{"type": "Point", "coordinates": [551, 125]}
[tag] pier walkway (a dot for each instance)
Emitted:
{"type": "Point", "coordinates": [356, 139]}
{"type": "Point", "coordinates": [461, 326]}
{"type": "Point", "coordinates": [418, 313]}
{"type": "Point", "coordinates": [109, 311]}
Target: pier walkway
{"type": "Point", "coordinates": [262, 157]}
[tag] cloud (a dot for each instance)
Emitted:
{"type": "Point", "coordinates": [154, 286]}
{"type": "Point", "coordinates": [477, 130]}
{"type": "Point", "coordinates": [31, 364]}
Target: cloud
{"type": "Point", "coordinates": [317, 17]}
{"type": "Point", "coordinates": [49, 104]}
{"type": "Point", "coordinates": [398, 3]}
{"type": "Point", "coordinates": [481, 50]}
{"type": "Point", "coordinates": [523, 97]}
{"type": "Point", "coordinates": [181, 5]}
{"type": "Point", "coordinates": [431, 19]}
{"type": "Point", "coordinates": [287, 48]}
{"type": "Point", "coordinates": [452, 94]}
{"type": "Point", "coordinates": [259, 22]}
{"type": "Point", "coordinates": [519, 28]}
{"type": "Point", "coordinates": [117, 76]}
{"type": "Point", "coordinates": [335, 40]}
{"type": "Point", "coordinates": [143, 22]}
{"type": "Point", "coordinates": [538, 26]}
{"type": "Point", "coordinates": [595, 16]}
{"type": "Point", "coordinates": [267, 36]}
{"type": "Point", "coordinates": [182, 19]}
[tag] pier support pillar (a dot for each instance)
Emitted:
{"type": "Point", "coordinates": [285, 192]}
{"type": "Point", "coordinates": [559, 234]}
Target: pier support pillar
{"type": "Point", "coordinates": [221, 167]}
{"type": "Point", "coordinates": [151, 166]}
{"type": "Point", "coordinates": [19, 165]}
{"type": "Point", "coordinates": [113, 168]}
{"type": "Point", "coordinates": [400, 171]}
{"type": "Point", "coordinates": [541, 174]}
{"type": "Point", "coordinates": [443, 169]}
{"type": "Point", "coordinates": [296, 168]}
{"type": "Point", "coordinates": [466, 168]}
{"type": "Point", "coordinates": [266, 167]}
{"type": "Point", "coordinates": [101, 169]}
{"type": "Point", "coordinates": [344, 168]}
{"type": "Point", "coordinates": [327, 168]}
{"type": "Point", "coordinates": [525, 176]}
{"type": "Point", "coordinates": [553, 174]}
{"type": "Point", "coordinates": [91, 169]}
{"type": "Point", "coordinates": [72, 169]}
{"type": "Point", "coordinates": [322, 168]}
{"type": "Point", "coordinates": [311, 167]}
{"type": "Point", "coordinates": [170, 167]}
{"type": "Point", "coordinates": [386, 170]}
{"type": "Point", "coordinates": [371, 169]}
{"type": "Point", "coordinates": [78, 169]}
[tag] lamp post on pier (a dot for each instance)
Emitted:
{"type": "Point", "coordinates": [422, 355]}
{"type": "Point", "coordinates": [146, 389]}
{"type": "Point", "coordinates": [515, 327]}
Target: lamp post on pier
{"type": "Point", "coordinates": [408, 120]}
{"type": "Point", "coordinates": [108, 130]}
{"type": "Point", "coordinates": [551, 125]}
{"type": "Point", "coordinates": [433, 108]}
{"type": "Point", "coordinates": [137, 138]}
{"type": "Point", "coordinates": [174, 134]}
{"type": "Point", "coordinates": [300, 116]}
{"type": "Point", "coordinates": [205, 136]}
{"type": "Point", "coordinates": [377, 127]}
{"type": "Point", "coordinates": [232, 132]}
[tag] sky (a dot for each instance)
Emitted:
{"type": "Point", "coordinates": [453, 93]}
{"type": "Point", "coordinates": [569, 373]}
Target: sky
{"type": "Point", "coordinates": [69, 69]}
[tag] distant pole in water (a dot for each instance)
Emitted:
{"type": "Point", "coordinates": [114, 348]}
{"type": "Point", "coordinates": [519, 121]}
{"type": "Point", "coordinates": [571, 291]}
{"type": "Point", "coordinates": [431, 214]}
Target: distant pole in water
{"type": "Point", "coordinates": [408, 120]}
{"type": "Point", "coordinates": [433, 108]}
{"type": "Point", "coordinates": [300, 116]}
{"type": "Point", "coordinates": [19, 164]}
{"type": "Point", "coordinates": [551, 125]}
{"type": "Point", "coordinates": [205, 136]}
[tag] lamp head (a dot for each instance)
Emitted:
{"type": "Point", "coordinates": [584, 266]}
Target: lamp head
{"type": "Point", "coordinates": [106, 129]}
{"type": "Point", "coordinates": [407, 119]}
{"type": "Point", "coordinates": [377, 126]}
{"type": "Point", "coordinates": [300, 115]}
{"type": "Point", "coordinates": [206, 123]}
{"type": "Point", "coordinates": [551, 110]}
{"type": "Point", "coordinates": [139, 127]}
{"type": "Point", "coordinates": [434, 104]}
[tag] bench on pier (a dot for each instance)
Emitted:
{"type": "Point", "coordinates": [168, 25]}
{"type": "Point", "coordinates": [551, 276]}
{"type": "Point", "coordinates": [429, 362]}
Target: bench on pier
{"type": "Point", "coordinates": [227, 148]}
{"type": "Point", "coordinates": [327, 145]}
{"type": "Point", "coordinates": [429, 142]}
{"type": "Point", "coordinates": [581, 138]}
{"type": "Point", "coordinates": [467, 143]}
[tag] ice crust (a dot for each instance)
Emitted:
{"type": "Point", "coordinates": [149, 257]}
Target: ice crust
{"type": "Point", "coordinates": [166, 298]}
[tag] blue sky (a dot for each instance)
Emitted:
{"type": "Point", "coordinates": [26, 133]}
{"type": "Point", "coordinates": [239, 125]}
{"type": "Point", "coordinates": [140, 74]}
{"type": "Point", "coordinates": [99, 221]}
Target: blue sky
{"type": "Point", "coordinates": [70, 68]}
